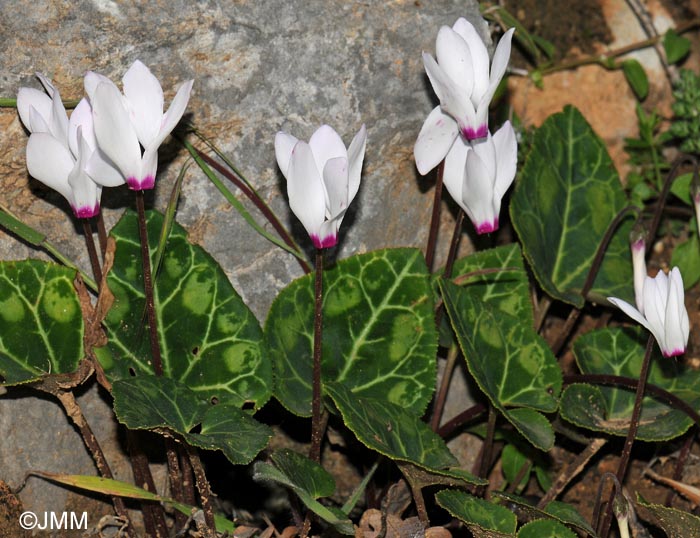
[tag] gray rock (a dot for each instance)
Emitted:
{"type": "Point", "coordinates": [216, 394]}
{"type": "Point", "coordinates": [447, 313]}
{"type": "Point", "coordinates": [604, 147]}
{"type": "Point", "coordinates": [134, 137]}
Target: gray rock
{"type": "Point", "coordinates": [259, 67]}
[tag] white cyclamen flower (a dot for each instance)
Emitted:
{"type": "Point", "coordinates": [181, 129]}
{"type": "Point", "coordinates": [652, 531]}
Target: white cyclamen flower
{"type": "Point", "coordinates": [663, 311]}
{"type": "Point", "coordinates": [126, 124]}
{"type": "Point", "coordinates": [464, 84]}
{"type": "Point", "coordinates": [477, 175]}
{"type": "Point", "coordinates": [322, 179]}
{"type": "Point", "coordinates": [59, 149]}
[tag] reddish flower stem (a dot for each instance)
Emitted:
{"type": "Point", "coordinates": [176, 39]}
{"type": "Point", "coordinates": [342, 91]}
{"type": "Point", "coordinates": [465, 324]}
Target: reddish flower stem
{"type": "Point", "coordinates": [317, 424]}
{"type": "Point", "coordinates": [434, 219]}
{"type": "Point", "coordinates": [92, 251]}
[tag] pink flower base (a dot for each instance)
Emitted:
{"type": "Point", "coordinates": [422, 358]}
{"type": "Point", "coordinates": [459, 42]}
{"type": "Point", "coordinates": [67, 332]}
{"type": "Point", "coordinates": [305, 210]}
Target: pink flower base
{"type": "Point", "coordinates": [145, 184]}
{"type": "Point", "coordinates": [326, 242]}
{"type": "Point", "coordinates": [86, 212]}
{"type": "Point", "coordinates": [486, 227]}
{"type": "Point", "coordinates": [470, 133]}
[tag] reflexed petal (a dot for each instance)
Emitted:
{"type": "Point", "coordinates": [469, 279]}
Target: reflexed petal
{"type": "Point", "coordinates": [92, 80]}
{"type": "Point", "coordinates": [506, 146]}
{"type": "Point", "coordinates": [175, 111]}
{"type": "Point", "coordinates": [28, 98]}
{"type": "Point", "coordinates": [356, 155]}
{"type": "Point", "coordinates": [498, 68]}
{"type": "Point", "coordinates": [478, 192]}
{"type": "Point", "coordinates": [145, 96]}
{"type": "Point", "coordinates": [655, 298]}
{"type": "Point", "coordinates": [85, 192]}
{"type": "Point", "coordinates": [479, 57]}
{"type": "Point", "coordinates": [455, 168]}
{"type": "Point", "coordinates": [37, 123]}
{"type": "Point", "coordinates": [454, 57]}
{"type": "Point", "coordinates": [326, 144]}
{"type": "Point", "coordinates": [114, 132]}
{"type": "Point", "coordinates": [435, 139]}
{"type": "Point", "coordinates": [640, 272]}
{"type": "Point", "coordinates": [635, 314]}
{"type": "Point", "coordinates": [103, 171]}
{"type": "Point", "coordinates": [50, 162]}
{"type": "Point", "coordinates": [335, 178]}
{"type": "Point", "coordinates": [81, 118]}
{"type": "Point", "coordinates": [46, 83]}
{"type": "Point", "coordinates": [58, 121]}
{"type": "Point", "coordinates": [677, 328]}
{"type": "Point", "coordinates": [305, 189]}
{"type": "Point", "coordinates": [452, 98]}
{"type": "Point", "coordinates": [284, 145]}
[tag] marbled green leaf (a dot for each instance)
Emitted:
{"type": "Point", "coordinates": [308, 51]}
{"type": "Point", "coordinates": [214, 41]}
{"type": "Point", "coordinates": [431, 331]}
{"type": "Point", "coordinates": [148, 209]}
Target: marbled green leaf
{"type": "Point", "coordinates": [397, 433]}
{"type": "Point", "coordinates": [675, 523]}
{"type": "Point", "coordinates": [620, 351]}
{"type": "Point", "coordinates": [210, 340]}
{"type": "Point", "coordinates": [379, 334]}
{"type": "Point", "coordinates": [41, 322]}
{"type": "Point", "coordinates": [507, 290]}
{"type": "Point", "coordinates": [545, 527]}
{"type": "Point", "coordinates": [148, 402]}
{"type": "Point", "coordinates": [483, 518]}
{"type": "Point", "coordinates": [510, 362]}
{"type": "Point", "coordinates": [567, 194]}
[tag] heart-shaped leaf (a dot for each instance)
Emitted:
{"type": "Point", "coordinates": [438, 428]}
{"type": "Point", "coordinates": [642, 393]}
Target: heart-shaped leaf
{"type": "Point", "coordinates": [675, 523]}
{"type": "Point", "coordinates": [379, 334]}
{"type": "Point", "coordinates": [148, 402]}
{"type": "Point", "coordinates": [210, 340]}
{"type": "Point", "coordinates": [620, 351]}
{"type": "Point", "coordinates": [545, 527]}
{"type": "Point", "coordinates": [42, 325]}
{"type": "Point", "coordinates": [567, 194]}
{"type": "Point", "coordinates": [509, 361]}
{"type": "Point", "coordinates": [483, 518]}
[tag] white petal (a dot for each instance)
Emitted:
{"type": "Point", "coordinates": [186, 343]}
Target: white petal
{"type": "Point", "coordinates": [677, 327]}
{"type": "Point", "coordinates": [435, 139]}
{"type": "Point", "coordinates": [103, 171]}
{"type": "Point", "coordinates": [335, 179]}
{"type": "Point", "coordinates": [455, 59]}
{"type": "Point", "coordinates": [145, 97]}
{"type": "Point", "coordinates": [639, 270]}
{"type": "Point", "coordinates": [455, 169]}
{"type": "Point", "coordinates": [498, 68]}
{"type": "Point", "coordinates": [58, 122]}
{"type": "Point", "coordinates": [46, 83]}
{"type": "Point", "coordinates": [115, 134]}
{"type": "Point", "coordinates": [479, 57]}
{"type": "Point", "coordinates": [453, 100]}
{"type": "Point", "coordinates": [81, 118]}
{"type": "Point", "coordinates": [85, 199]}
{"type": "Point", "coordinates": [92, 80]}
{"type": "Point", "coordinates": [28, 98]}
{"type": "Point", "coordinates": [284, 145]}
{"type": "Point", "coordinates": [326, 144]}
{"type": "Point", "coordinates": [356, 155]}
{"type": "Point", "coordinates": [486, 150]}
{"type": "Point", "coordinates": [37, 122]}
{"type": "Point", "coordinates": [149, 167]}
{"type": "Point", "coordinates": [175, 111]}
{"type": "Point", "coordinates": [49, 161]}
{"type": "Point", "coordinates": [655, 298]}
{"type": "Point", "coordinates": [506, 146]}
{"type": "Point", "coordinates": [305, 189]}
{"type": "Point", "coordinates": [477, 196]}
{"type": "Point", "coordinates": [635, 314]}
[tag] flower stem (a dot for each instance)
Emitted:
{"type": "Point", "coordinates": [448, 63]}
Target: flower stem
{"type": "Point", "coordinates": [434, 219]}
{"type": "Point", "coordinates": [102, 233]}
{"type": "Point", "coordinates": [670, 177]}
{"type": "Point", "coordinates": [92, 251]}
{"type": "Point", "coordinates": [439, 406]}
{"type": "Point", "coordinates": [680, 464]}
{"type": "Point", "coordinates": [484, 461]}
{"type": "Point", "coordinates": [205, 495]}
{"type": "Point", "coordinates": [632, 432]}
{"type": "Point", "coordinates": [148, 286]}
{"type": "Point", "coordinates": [316, 404]}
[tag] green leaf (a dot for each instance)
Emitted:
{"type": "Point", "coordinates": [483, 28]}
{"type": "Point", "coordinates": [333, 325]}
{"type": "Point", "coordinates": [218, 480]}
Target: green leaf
{"type": "Point", "coordinates": [507, 290]}
{"type": "Point", "coordinates": [394, 431]}
{"type": "Point", "coordinates": [545, 527]}
{"type": "Point", "coordinates": [675, 523]}
{"type": "Point", "coordinates": [566, 513]}
{"type": "Point", "coordinates": [686, 256]}
{"type": "Point", "coordinates": [681, 188]}
{"type": "Point", "coordinates": [509, 361]}
{"type": "Point", "coordinates": [308, 480]}
{"type": "Point", "coordinates": [512, 461]}
{"type": "Point", "coordinates": [42, 325]}
{"type": "Point", "coordinates": [676, 46]}
{"type": "Point", "coordinates": [483, 518]}
{"type": "Point", "coordinates": [620, 351]}
{"type": "Point", "coordinates": [567, 194]}
{"type": "Point", "coordinates": [379, 336]}
{"type": "Point", "coordinates": [148, 402]}
{"type": "Point", "coordinates": [210, 341]}
{"type": "Point", "coordinates": [636, 78]}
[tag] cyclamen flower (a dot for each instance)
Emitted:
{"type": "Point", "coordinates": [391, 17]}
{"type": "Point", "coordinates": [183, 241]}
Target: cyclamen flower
{"type": "Point", "coordinates": [124, 124]}
{"type": "Point", "coordinates": [465, 85]}
{"type": "Point", "coordinates": [322, 179]}
{"type": "Point", "coordinates": [59, 149]}
{"type": "Point", "coordinates": [663, 311]}
{"type": "Point", "coordinates": [477, 175]}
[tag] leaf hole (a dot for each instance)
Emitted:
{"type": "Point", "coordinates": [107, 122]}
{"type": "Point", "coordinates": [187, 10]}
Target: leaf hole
{"type": "Point", "coordinates": [132, 372]}
{"type": "Point", "coordinates": [195, 350]}
{"type": "Point", "coordinates": [196, 429]}
{"type": "Point", "coordinates": [214, 400]}
{"type": "Point", "coordinates": [248, 406]}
